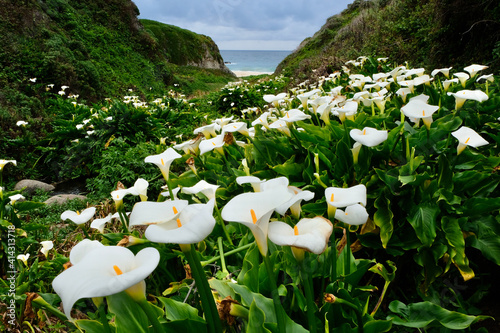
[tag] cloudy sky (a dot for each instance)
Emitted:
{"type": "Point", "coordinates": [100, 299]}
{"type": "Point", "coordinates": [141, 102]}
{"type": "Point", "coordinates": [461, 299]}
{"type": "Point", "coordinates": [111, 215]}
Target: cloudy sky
{"type": "Point", "coordinates": [246, 25]}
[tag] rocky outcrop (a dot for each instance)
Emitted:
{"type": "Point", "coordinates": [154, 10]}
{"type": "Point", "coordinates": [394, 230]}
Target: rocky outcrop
{"type": "Point", "coordinates": [63, 198]}
{"type": "Point", "coordinates": [31, 186]}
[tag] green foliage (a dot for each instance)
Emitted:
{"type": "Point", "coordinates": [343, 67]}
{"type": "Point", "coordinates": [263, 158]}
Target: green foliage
{"type": "Point", "coordinates": [405, 31]}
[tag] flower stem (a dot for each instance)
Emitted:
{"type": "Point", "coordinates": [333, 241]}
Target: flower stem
{"type": "Point", "coordinates": [226, 254]}
{"type": "Point", "coordinates": [223, 225]}
{"type": "Point", "coordinates": [207, 299]}
{"type": "Point", "coordinates": [359, 315]}
{"type": "Point", "coordinates": [309, 291]}
{"type": "Point", "coordinates": [148, 310]}
{"type": "Point", "coordinates": [102, 317]}
{"type": "Point", "coordinates": [278, 307]}
{"type": "Point", "coordinates": [222, 259]}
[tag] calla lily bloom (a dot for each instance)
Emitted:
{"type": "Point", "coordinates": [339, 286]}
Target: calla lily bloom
{"type": "Point", "coordinates": [190, 146]}
{"type": "Point", "coordinates": [353, 215]}
{"type": "Point", "coordinates": [463, 95]}
{"type": "Point", "coordinates": [369, 136]}
{"type": "Point", "coordinates": [147, 212]}
{"type": "Point", "coordinates": [403, 92]}
{"type": "Point", "coordinates": [193, 224]}
{"type": "Point", "coordinates": [348, 109]}
{"type": "Point", "coordinates": [274, 98]}
{"type": "Point", "coordinates": [21, 123]}
{"type": "Point", "coordinates": [473, 69]}
{"type": "Point", "coordinates": [295, 202]}
{"type": "Point", "coordinates": [211, 144]}
{"type": "Point", "coordinates": [202, 186]}
{"type": "Point", "coordinates": [77, 217]}
{"type": "Point", "coordinates": [240, 127]}
{"type": "Point", "coordinates": [105, 271]}
{"type": "Point", "coordinates": [254, 210]}
{"type": "Point", "coordinates": [46, 247]}
{"type": "Point", "coordinates": [16, 197]}
{"type": "Point", "coordinates": [208, 130]}
{"type": "Point", "coordinates": [444, 71]}
{"type": "Point", "coordinates": [462, 77]}
{"type": "Point", "coordinates": [308, 234]}
{"type": "Point", "coordinates": [100, 223]}
{"type": "Point", "coordinates": [281, 126]}
{"type": "Point", "coordinates": [163, 161]}
{"type": "Point", "coordinates": [167, 193]}
{"type": "Point", "coordinates": [140, 188]}
{"type": "Point", "coordinates": [4, 162]}
{"type": "Point", "coordinates": [24, 258]}
{"type": "Point", "coordinates": [252, 180]}
{"type": "Point", "coordinates": [337, 197]}
{"type": "Point", "coordinates": [262, 120]}
{"type": "Point", "coordinates": [468, 137]}
{"type": "Point", "coordinates": [294, 115]}
{"type": "Point", "coordinates": [417, 109]}
{"type": "Point", "coordinates": [118, 196]}
{"type": "Point", "coordinates": [447, 83]}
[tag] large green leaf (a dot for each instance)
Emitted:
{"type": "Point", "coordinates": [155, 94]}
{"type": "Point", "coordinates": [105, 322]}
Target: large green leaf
{"type": "Point", "coordinates": [176, 310]}
{"type": "Point", "coordinates": [129, 317]}
{"type": "Point", "coordinates": [420, 315]}
{"type": "Point", "coordinates": [383, 219]}
{"type": "Point", "coordinates": [249, 275]}
{"type": "Point", "coordinates": [479, 206]}
{"type": "Point", "coordinates": [92, 326]}
{"type": "Point", "coordinates": [455, 238]}
{"type": "Point", "coordinates": [423, 220]}
{"type": "Point", "coordinates": [487, 240]}
{"type": "Point", "coordinates": [289, 168]}
{"type": "Point", "coordinates": [248, 297]}
{"type": "Point", "coordinates": [256, 320]}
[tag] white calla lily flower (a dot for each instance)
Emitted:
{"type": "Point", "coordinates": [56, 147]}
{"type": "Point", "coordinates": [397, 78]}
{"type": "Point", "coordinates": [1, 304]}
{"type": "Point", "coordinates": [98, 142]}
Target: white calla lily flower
{"type": "Point", "coordinates": [78, 217]}
{"type": "Point", "coordinates": [104, 271]}
{"type": "Point", "coordinates": [194, 223]}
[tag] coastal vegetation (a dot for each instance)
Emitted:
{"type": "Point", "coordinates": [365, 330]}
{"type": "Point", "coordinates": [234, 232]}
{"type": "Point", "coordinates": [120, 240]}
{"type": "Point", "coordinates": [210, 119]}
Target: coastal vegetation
{"type": "Point", "coordinates": [361, 200]}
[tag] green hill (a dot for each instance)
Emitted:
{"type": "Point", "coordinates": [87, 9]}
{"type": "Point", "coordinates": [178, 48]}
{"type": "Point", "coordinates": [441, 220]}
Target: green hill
{"type": "Point", "coordinates": [429, 33]}
{"type": "Point", "coordinates": [99, 48]}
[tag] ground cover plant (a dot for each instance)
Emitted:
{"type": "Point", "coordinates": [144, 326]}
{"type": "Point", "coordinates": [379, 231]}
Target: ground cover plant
{"type": "Point", "coordinates": [367, 201]}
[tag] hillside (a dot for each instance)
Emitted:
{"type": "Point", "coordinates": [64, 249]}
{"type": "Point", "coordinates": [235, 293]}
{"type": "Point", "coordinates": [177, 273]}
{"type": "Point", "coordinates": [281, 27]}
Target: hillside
{"type": "Point", "coordinates": [98, 48]}
{"type": "Point", "coordinates": [429, 33]}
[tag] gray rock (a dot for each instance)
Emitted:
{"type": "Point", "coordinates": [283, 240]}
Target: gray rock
{"type": "Point", "coordinates": [33, 185]}
{"type": "Point", "coordinates": [63, 198]}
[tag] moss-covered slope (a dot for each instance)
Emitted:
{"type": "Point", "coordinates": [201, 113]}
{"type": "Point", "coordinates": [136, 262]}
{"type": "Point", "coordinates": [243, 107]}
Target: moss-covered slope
{"type": "Point", "coordinates": [98, 48]}
{"type": "Point", "coordinates": [430, 33]}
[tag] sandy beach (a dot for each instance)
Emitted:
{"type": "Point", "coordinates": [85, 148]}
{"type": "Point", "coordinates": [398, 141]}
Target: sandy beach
{"type": "Point", "coordinates": [248, 73]}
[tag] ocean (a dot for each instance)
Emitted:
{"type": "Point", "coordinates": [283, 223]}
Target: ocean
{"type": "Point", "coordinates": [254, 61]}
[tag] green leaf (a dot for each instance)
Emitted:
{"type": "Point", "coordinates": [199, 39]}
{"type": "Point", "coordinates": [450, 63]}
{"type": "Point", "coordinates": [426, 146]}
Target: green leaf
{"type": "Point", "coordinates": [377, 326]}
{"type": "Point", "coordinates": [249, 275]}
{"type": "Point", "coordinates": [256, 320]}
{"type": "Point", "coordinates": [420, 315]}
{"type": "Point", "coordinates": [185, 325]}
{"type": "Point", "coordinates": [289, 168]}
{"type": "Point", "coordinates": [486, 240]}
{"type": "Point", "coordinates": [129, 315]}
{"type": "Point", "coordinates": [383, 219]}
{"type": "Point", "coordinates": [24, 206]}
{"type": "Point", "coordinates": [455, 238]}
{"type": "Point", "coordinates": [176, 310]}
{"type": "Point", "coordinates": [479, 206]}
{"type": "Point", "coordinates": [90, 326]}
{"type": "Point", "coordinates": [423, 220]}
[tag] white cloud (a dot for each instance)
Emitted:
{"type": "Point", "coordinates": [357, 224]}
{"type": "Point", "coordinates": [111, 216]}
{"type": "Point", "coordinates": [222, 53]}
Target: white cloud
{"type": "Point", "coordinates": [251, 25]}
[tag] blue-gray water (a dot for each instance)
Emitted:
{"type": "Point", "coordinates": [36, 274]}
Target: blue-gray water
{"type": "Point", "coordinates": [257, 61]}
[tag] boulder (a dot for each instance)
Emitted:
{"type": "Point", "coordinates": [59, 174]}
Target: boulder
{"type": "Point", "coordinates": [63, 198]}
{"type": "Point", "coordinates": [33, 185]}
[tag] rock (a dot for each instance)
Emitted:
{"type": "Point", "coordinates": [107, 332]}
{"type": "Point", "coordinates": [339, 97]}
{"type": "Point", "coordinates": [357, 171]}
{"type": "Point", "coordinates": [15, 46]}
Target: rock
{"type": "Point", "coordinates": [63, 198]}
{"type": "Point", "coordinates": [33, 185]}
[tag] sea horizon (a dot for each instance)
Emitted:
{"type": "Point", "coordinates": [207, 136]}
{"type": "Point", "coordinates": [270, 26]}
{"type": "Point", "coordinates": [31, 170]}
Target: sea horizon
{"type": "Point", "coordinates": [263, 61]}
